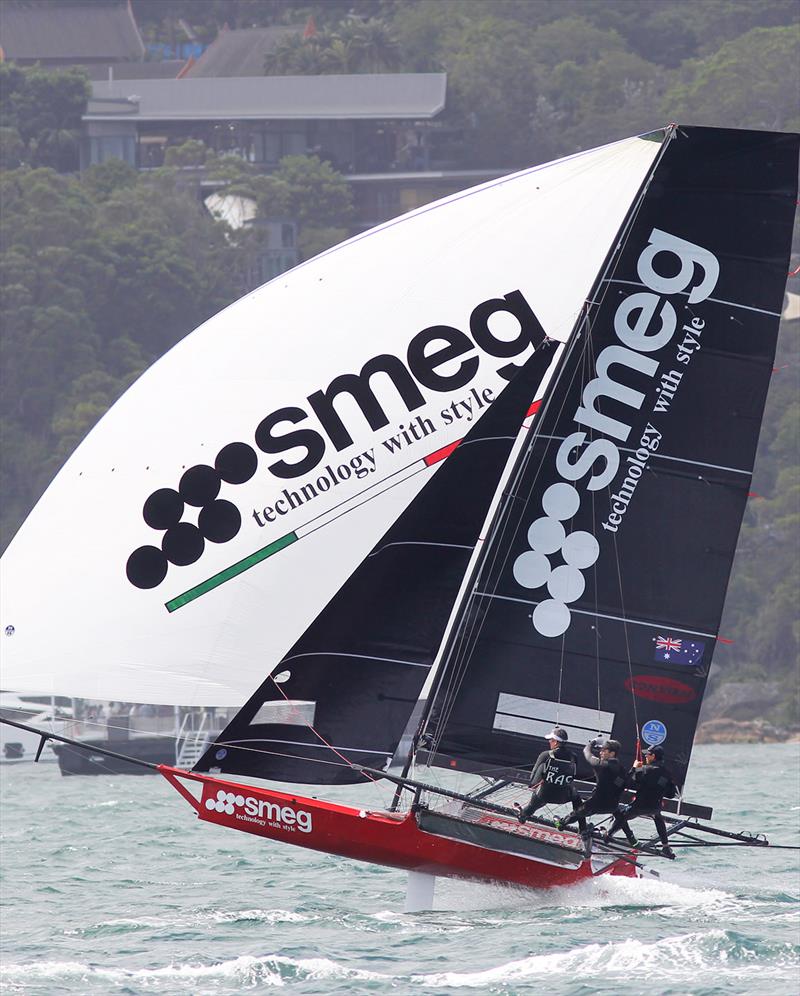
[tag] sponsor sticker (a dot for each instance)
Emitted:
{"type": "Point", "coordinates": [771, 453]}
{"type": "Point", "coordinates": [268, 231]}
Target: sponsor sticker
{"type": "Point", "coordinates": [544, 834]}
{"type": "Point", "coordinates": [659, 688]}
{"type": "Point", "coordinates": [261, 811]}
{"type": "Point", "coordinates": [654, 732]}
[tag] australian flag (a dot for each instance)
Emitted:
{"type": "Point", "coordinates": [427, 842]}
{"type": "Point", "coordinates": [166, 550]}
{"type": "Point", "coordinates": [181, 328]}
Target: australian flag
{"type": "Point", "coordinates": [671, 650]}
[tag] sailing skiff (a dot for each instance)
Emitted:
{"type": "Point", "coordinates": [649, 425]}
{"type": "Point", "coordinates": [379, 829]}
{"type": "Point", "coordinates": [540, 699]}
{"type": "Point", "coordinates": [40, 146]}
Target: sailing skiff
{"type": "Point", "coordinates": [475, 472]}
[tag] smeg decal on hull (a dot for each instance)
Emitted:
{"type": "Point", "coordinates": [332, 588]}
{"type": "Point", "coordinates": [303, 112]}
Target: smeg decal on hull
{"type": "Point", "coordinates": [645, 322]}
{"type": "Point", "coordinates": [260, 811]}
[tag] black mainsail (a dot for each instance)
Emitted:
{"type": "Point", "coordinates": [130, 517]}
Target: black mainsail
{"type": "Point", "coordinates": [601, 592]}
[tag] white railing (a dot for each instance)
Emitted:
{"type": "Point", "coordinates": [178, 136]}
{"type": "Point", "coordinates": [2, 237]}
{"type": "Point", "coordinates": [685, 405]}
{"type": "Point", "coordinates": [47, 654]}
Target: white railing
{"type": "Point", "coordinates": [190, 744]}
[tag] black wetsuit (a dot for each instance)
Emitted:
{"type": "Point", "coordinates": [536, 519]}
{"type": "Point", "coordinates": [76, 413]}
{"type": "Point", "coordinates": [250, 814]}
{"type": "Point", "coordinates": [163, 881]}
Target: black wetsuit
{"type": "Point", "coordinates": [611, 781]}
{"type": "Point", "coordinates": [651, 783]}
{"type": "Point", "coordinates": [552, 779]}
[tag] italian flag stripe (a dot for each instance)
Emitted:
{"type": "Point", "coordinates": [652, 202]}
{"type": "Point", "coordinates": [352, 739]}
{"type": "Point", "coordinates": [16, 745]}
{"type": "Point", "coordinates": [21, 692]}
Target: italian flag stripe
{"type": "Point", "coordinates": [441, 454]}
{"type": "Point", "coordinates": [230, 572]}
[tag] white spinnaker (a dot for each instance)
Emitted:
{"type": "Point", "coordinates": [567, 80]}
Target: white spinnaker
{"type": "Point", "coordinates": [72, 623]}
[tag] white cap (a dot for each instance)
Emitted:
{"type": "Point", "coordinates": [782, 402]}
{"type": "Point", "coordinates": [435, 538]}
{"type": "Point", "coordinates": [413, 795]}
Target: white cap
{"type": "Point", "coordinates": [557, 733]}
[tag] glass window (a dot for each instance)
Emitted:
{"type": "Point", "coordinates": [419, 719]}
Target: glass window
{"type": "Point", "coordinates": [112, 147]}
{"type": "Point", "coordinates": [272, 147]}
{"type": "Point", "coordinates": [294, 143]}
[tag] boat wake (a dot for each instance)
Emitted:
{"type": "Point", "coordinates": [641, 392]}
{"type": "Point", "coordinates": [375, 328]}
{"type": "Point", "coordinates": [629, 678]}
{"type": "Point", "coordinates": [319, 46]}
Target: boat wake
{"type": "Point", "coordinates": [603, 892]}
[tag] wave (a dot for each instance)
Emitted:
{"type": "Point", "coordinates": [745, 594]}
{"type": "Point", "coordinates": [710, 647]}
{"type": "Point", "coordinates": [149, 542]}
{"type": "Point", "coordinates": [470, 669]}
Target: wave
{"type": "Point", "coordinates": [672, 959]}
{"type": "Point", "coordinates": [247, 970]}
{"type": "Point", "coordinates": [730, 956]}
{"type": "Point", "coordinates": [191, 918]}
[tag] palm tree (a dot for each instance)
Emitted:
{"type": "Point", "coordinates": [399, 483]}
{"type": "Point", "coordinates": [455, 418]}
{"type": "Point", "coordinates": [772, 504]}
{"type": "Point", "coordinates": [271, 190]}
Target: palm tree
{"type": "Point", "coordinates": [296, 55]}
{"type": "Point", "coordinates": [374, 48]}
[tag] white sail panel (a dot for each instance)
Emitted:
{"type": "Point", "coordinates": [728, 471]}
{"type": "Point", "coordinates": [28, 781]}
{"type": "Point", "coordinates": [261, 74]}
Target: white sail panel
{"type": "Point", "coordinates": [165, 564]}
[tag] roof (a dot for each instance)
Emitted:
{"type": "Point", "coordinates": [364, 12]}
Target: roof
{"type": "Point", "coordinates": [64, 33]}
{"type": "Point", "coordinates": [385, 95]}
{"type": "Point", "coordinates": [164, 69]}
{"type": "Point", "coordinates": [240, 53]}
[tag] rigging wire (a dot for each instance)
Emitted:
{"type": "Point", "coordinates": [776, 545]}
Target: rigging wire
{"type": "Point", "coordinates": [596, 625]}
{"type": "Point", "coordinates": [494, 565]}
{"type": "Point", "coordinates": [477, 607]}
{"type": "Point", "coordinates": [316, 732]}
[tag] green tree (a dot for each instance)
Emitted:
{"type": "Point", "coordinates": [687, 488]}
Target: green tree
{"type": "Point", "coordinates": [102, 180]}
{"type": "Point", "coordinates": [356, 45]}
{"type": "Point", "coordinates": [750, 82]}
{"type": "Point", "coordinates": [371, 45]}
{"type": "Point", "coordinates": [299, 56]}
{"type": "Point", "coordinates": [45, 108]}
{"type": "Point", "coordinates": [305, 190]}
{"type": "Point", "coordinates": [317, 196]}
{"type": "Point", "coordinates": [192, 152]}
{"type": "Point", "coordinates": [99, 276]}
{"type": "Point", "coordinates": [492, 89]}
{"type": "Point", "coordinates": [761, 606]}
{"type": "Point", "coordinates": [421, 29]}
{"type": "Point", "coordinates": [572, 39]}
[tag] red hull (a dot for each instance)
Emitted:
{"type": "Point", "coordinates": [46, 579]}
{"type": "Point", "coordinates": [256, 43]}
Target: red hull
{"type": "Point", "coordinates": [383, 838]}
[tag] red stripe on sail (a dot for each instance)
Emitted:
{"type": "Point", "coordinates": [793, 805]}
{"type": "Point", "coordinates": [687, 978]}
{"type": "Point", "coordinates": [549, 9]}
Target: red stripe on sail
{"type": "Point", "coordinates": [441, 454]}
{"type": "Point", "coordinates": [534, 408]}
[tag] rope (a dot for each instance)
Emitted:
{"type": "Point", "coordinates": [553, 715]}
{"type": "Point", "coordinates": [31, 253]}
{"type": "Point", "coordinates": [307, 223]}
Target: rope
{"type": "Point", "coordinates": [347, 762]}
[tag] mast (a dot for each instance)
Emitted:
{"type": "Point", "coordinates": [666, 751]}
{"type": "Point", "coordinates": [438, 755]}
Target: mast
{"type": "Point", "coordinates": [507, 486]}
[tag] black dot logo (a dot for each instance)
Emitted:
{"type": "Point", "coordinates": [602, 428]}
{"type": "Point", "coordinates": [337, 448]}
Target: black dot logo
{"type": "Point", "coordinates": [183, 544]}
{"type": "Point", "coordinates": [199, 485]}
{"type": "Point", "coordinates": [219, 521]}
{"type": "Point", "coordinates": [146, 567]}
{"type": "Point", "coordinates": [236, 463]}
{"type": "Point", "coordinates": [163, 509]}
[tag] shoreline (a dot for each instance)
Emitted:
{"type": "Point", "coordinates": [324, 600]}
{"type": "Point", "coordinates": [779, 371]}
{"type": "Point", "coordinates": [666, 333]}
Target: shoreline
{"type": "Point", "coordinates": [744, 731]}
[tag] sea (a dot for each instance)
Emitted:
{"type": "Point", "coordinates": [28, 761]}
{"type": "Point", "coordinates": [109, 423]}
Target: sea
{"type": "Point", "coordinates": [110, 885]}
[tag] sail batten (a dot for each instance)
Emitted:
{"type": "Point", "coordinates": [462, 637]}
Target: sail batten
{"type": "Point", "coordinates": [627, 619]}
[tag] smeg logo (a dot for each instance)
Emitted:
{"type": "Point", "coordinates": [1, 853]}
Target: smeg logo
{"type": "Point", "coordinates": [297, 438]}
{"type": "Point", "coordinates": [218, 521]}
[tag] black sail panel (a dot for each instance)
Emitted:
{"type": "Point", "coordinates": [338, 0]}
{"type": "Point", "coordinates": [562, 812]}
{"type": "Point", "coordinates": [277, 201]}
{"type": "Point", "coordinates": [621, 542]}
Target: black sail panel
{"type": "Point", "coordinates": [347, 688]}
{"type": "Point", "coordinates": [600, 603]}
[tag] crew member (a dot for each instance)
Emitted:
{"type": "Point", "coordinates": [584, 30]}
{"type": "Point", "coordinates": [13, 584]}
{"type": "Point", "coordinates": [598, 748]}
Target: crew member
{"type": "Point", "coordinates": [611, 780]}
{"type": "Point", "coordinates": [553, 775]}
{"type": "Point", "coordinates": [652, 783]}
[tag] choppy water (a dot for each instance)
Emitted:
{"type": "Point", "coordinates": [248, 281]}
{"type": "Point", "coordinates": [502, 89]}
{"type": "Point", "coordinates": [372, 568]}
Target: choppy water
{"type": "Point", "coordinates": [110, 885]}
